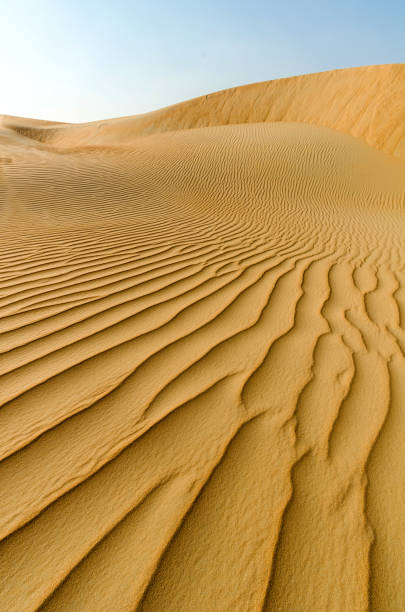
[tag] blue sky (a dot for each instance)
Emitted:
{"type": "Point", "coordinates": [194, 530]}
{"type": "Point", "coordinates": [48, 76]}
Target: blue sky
{"type": "Point", "coordinates": [82, 60]}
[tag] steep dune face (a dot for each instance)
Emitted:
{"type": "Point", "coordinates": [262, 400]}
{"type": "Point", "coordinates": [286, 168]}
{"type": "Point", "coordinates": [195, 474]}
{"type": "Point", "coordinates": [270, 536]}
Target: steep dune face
{"type": "Point", "coordinates": [203, 360]}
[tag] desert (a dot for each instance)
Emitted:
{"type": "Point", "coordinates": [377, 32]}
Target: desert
{"type": "Point", "coordinates": [203, 353]}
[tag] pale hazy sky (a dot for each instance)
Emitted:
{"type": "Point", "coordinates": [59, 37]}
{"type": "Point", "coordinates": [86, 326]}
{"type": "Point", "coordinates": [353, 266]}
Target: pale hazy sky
{"type": "Point", "coordinates": [81, 60]}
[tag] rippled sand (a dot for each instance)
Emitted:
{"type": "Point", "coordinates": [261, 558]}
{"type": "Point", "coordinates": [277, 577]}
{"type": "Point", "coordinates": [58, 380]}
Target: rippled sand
{"type": "Point", "coordinates": [203, 370]}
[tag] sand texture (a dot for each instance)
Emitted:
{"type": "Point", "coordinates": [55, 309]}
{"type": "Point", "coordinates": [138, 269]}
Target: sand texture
{"type": "Point", "coordinates": [202, 353]}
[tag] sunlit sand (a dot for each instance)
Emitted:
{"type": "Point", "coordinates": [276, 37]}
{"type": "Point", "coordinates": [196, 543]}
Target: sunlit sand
{"type": "Point", "coordinates": [203, 371]}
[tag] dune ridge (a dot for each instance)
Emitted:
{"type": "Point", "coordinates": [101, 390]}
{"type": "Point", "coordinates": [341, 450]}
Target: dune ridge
{"type": "Point", "coordinates": [366, 102]}
{"type": "Point", "coordinates": [203, 353]}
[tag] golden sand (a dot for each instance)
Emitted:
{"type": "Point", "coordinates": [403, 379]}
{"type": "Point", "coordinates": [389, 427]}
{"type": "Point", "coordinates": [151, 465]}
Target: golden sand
{"type": "Point", "coordinates": [202, 369]}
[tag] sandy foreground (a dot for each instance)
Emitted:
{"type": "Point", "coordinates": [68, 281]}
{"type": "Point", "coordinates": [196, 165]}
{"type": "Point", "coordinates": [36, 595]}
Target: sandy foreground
{"type": "Point", "coordinates": [203, 338]}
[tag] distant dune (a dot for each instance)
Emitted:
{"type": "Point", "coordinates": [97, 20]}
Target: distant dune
{"type": "Point", "coordinates": [203, 353]}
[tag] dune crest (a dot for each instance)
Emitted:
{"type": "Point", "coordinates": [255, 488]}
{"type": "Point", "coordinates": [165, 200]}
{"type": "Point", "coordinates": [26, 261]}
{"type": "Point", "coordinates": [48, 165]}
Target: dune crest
{"type": "Point", "coordinates": [365, 102]}
{"type": "Point", "coordinates": [203, 353]}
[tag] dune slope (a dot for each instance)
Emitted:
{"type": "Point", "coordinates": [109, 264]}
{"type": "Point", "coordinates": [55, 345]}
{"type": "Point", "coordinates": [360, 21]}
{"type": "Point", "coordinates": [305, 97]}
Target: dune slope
{"type": "Point", "coordinates": [203, 354]}
{"type": "Point", "coordinates": [366, 102]}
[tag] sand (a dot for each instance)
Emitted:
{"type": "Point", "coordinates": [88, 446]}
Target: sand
{"type": "Point", "coordinates": [203, 339]}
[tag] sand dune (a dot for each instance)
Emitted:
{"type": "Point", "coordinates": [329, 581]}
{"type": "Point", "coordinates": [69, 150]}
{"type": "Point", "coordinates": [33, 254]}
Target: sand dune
{"type": "Point", "coordinates": [203, 353]}
{"type": "Point", "coordinates": [366, 102]}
